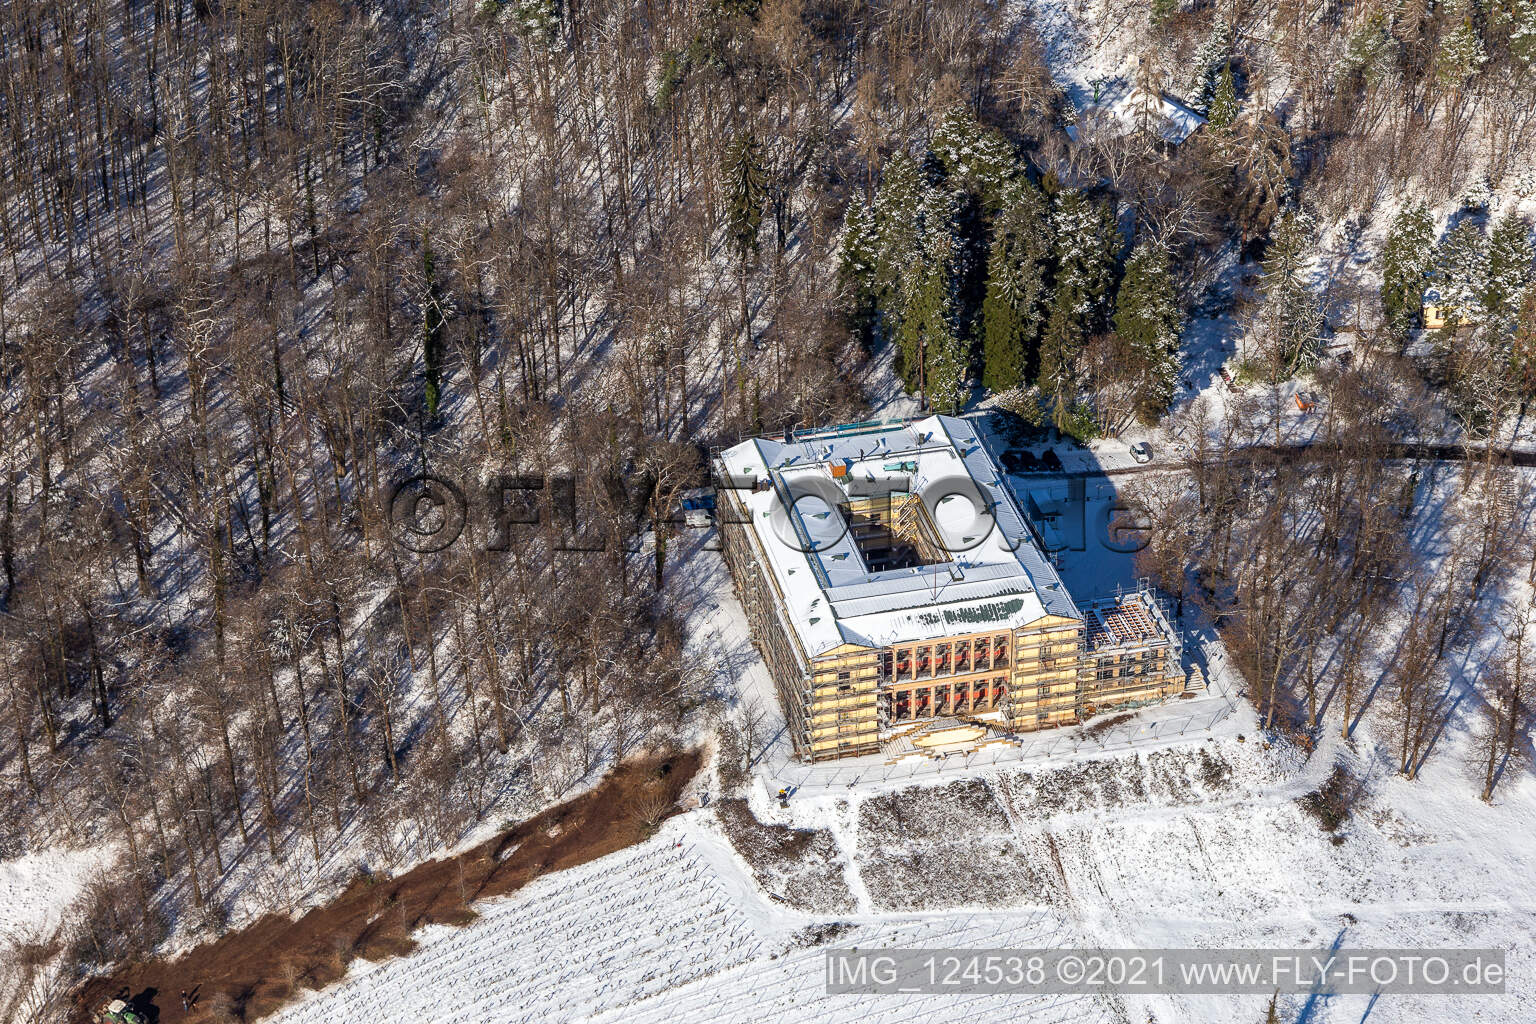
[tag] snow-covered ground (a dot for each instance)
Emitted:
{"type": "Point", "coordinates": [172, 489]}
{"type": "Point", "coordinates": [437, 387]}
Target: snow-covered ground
{"type": "Point", "coordinates": [1133, 838]}
{"type": "Point", "coordinates": [1142, 836]}
{"type": "Point", "coordinates": [37, 892]}
{"type": "Point", "coordinates": [673, 930]}
{"type": "Point", "coordinates": [1169, 849]}
{"type": "Point", "coordinates": [679, 930]}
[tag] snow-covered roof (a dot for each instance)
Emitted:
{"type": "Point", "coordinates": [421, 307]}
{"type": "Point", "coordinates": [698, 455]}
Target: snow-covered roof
{"type": "Point", "coordinates": [1173, 121]}
{"type": "Point", "coordinates": [996, 576]}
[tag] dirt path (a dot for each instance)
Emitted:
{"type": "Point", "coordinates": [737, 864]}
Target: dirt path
{"type": "Point", "coordinates": [250, 973]}
{"type": "Point", "coordinates": [1312, 450]}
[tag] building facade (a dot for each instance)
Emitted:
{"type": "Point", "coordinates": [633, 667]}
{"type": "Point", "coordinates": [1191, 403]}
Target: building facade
{"type": "Point", "coordinates": [904, 605]}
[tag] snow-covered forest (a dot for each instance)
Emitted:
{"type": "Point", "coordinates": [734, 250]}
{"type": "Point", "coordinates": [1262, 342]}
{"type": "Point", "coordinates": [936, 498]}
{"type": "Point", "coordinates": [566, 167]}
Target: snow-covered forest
{"type": "Point", "coordinates": [264, 259]}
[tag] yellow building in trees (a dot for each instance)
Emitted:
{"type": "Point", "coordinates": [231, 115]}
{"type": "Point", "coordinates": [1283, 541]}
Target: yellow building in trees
{"type": "Point", "coordinates": [904, 604]}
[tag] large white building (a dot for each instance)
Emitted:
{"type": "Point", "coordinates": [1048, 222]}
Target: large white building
{"type": "Point", "coordinates": [903, 602]}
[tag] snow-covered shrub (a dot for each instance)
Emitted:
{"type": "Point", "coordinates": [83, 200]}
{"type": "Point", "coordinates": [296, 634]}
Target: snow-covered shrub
{"type": "Point", "coordinates": [797, 866]}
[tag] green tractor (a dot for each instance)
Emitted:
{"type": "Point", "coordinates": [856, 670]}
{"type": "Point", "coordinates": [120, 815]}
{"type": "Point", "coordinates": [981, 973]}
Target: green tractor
{"type": "Point", "coordinates": [119, 1012]}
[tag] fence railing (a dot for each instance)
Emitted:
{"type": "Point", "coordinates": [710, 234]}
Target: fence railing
{"type": "Point", "coordinates": [1034, 750]}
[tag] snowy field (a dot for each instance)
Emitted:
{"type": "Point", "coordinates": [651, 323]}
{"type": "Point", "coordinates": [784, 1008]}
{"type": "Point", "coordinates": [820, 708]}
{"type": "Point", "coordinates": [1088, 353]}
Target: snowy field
{"type": "Point", "coordinates": [669, 931]}
{"type": "Point", "coordinates": [1205, 847]}
{"type": "Point", "coordinates": [672, 930]}
{"type": "Point", "coordinates": [36, 892]}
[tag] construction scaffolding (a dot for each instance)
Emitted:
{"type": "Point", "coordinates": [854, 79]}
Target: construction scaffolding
{"type": "Point", "coordinates": [881, 640]}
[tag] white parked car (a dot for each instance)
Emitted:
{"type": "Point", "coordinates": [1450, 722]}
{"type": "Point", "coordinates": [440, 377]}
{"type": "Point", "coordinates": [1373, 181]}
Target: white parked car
{"type": "Point", "coordinates": [1141, 452]}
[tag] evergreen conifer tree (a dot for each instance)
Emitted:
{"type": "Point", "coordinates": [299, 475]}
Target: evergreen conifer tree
{"type": "Point", "coordinates": [1522, 33]}
{"type": "Point", "coordinates": [1060, 348]}
{"type": "Point", "coordinates": [1211, 58]}
{"type": "Point", "coordinates": [1148, 321]}
{"type": "Point", "coordinates": [1407, 259]}
{"type": "Point", "coordinates": [1290, 318]}
{"type": "Point", "coordinates": [859, 254]}
{"type": "Point", "coordinates": [1086, 243]}
{"type": "Point", "coordinates": [1508, 272]}
{"type": "Point", "coordinates": [1461, 271]}
{"type": "Point", "coordinates": [1016, 265]}
{"type": "Point", "coordinates": [1460, 56]}
{"type": "Point", "coordinates": [895, 230]}
{"type": "Point", "coordinates": [745, 193]}
{"type": "Point", "coordinates": [1372, 49]}
{"type": "Point", "coordinates": [974, 157]}
{"type": "Point", "coordinates": [880, 240]}
{"type": "Point", "coordinates": [930, 334]}
{"type": "Point", "coordinates": [1224, 105]}
{"type": "Point", "coordinates": [1085, 247]}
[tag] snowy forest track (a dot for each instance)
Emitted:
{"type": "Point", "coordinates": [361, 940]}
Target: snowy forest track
{"type": "Point", "coordinates": [1413, 451]}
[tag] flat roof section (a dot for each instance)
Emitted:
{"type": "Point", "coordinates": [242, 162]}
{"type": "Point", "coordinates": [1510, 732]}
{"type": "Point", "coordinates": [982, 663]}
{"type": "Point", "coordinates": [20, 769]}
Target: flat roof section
{"type": "Point", "coordinates": [996, 576]}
